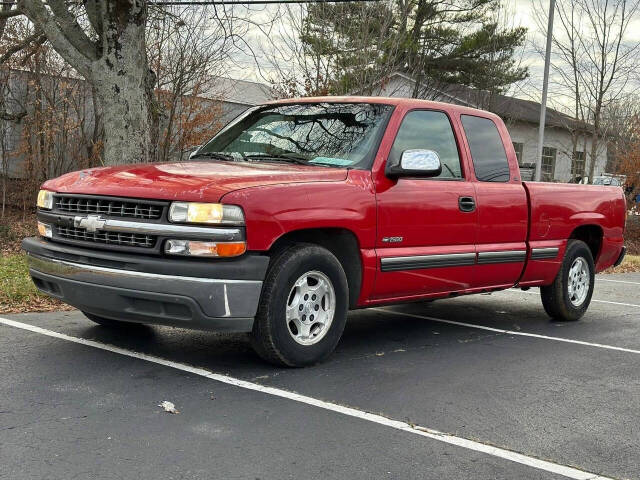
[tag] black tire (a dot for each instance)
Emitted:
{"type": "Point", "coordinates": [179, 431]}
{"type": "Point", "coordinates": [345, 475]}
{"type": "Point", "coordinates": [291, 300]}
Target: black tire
{"type": "Point", "coordinates": [107, 322]}
{"type": "Point", "coordinates": [556, 298]}
{"type": "Point", "coordinates": [271, 337]}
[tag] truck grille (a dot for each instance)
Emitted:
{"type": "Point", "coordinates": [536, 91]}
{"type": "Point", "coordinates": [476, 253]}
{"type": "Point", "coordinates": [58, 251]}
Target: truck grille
{"type": "Point", "coordinates": [115, 208]}
{"type": "Point", "coordinates": [106, 238]}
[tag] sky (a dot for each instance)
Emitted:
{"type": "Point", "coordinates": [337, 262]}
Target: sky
{"type": "Point", "coordinates": [531, 14]}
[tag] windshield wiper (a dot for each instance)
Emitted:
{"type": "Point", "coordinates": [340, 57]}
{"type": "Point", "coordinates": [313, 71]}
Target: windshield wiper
{"type": "Point", "coordinates": [216, 155]}
{"type": "Point", "coordinates": [280, 157]}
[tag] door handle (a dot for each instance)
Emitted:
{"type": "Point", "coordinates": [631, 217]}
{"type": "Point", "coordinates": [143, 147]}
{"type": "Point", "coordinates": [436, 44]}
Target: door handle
{"type": "Point", "coordinates": [466, 204]}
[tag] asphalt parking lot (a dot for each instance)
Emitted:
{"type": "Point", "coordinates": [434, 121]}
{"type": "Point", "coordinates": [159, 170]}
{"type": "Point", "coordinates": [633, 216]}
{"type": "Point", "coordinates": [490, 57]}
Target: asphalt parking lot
{"type": "Point", "coordinates": [517, 396]}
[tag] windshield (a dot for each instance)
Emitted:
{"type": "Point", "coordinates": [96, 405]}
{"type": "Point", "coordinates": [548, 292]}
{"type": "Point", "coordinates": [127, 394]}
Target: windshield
{"type": "Point", "coordinates": [327, 134]}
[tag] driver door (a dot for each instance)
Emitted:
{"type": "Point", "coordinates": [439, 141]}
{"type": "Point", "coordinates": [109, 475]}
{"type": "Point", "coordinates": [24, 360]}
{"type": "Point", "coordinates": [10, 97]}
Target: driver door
{"type": "Point", "coordinates": [426, 226]}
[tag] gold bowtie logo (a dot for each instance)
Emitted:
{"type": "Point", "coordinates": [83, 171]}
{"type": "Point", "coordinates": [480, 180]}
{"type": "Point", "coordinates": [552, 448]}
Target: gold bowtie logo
{"type": "Point", "coordinates": [91, 223]}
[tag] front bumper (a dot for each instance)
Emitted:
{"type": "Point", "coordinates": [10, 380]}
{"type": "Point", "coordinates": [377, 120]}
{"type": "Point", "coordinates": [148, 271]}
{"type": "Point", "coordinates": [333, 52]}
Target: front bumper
{"type": "Point", "coordinates": [209, 295]}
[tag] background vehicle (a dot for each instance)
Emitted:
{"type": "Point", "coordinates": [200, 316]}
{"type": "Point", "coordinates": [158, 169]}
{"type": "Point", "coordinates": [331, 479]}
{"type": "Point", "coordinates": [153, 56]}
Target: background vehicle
{"type": "Point", "coordinates": [302, 209]}
{"type": "Point", "coordinates": [609, 180]}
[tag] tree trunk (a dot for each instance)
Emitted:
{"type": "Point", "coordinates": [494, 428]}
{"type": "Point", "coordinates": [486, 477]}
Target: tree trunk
{"type": "Point", "coordinates": [123, 84]}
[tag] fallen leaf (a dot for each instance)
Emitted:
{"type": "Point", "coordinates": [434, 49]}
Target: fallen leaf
{"type": "Point", "coordinates": [168, 407]}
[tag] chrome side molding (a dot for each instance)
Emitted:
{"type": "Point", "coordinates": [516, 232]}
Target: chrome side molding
{"type": "Point", "coordinates": [392, 264]}
{"type": "Point", "coordinates": [510, 256]}
{"type": "Point", "coordinates": [544, 253]}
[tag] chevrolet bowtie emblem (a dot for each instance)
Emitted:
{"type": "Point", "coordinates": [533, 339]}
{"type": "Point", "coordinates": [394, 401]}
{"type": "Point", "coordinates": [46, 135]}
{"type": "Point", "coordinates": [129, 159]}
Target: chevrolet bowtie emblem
{"type": "Point", "coordinates": [91, 223]}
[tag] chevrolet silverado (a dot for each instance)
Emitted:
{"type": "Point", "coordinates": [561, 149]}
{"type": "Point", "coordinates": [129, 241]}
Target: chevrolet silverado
{"type": "Point", "coordinates": [300, 210]}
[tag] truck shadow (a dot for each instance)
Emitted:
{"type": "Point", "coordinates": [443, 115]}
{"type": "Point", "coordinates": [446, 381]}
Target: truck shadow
{"type": "Point", "coordinates": [369, 332]}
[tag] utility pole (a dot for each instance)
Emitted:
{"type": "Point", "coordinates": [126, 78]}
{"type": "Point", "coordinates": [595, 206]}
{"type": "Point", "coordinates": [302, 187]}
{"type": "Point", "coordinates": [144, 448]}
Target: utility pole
{"type": "Point", "coordinates": [545, 87]}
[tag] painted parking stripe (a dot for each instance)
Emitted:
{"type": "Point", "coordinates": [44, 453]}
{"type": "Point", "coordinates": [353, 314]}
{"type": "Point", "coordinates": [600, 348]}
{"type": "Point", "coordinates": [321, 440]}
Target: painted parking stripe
{"type": "Point", "coordinates": [517, 290]}
{"type": "Point", "coordinates": [600, 279]}
{"type": "Point", "coordinates": [510, 332]}
{"type": "Point", "coordinates": [566, 471]}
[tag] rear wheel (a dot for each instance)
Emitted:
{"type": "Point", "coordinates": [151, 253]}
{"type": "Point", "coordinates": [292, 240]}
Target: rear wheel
{"type": "Point", "coordinates": [569, 296]}
{"type": "Point", "coordinates": [303, 307]}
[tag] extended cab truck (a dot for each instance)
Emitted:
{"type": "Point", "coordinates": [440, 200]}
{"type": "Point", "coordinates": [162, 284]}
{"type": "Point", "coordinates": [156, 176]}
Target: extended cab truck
{"type": "Point", "coordinates": [300, 210]}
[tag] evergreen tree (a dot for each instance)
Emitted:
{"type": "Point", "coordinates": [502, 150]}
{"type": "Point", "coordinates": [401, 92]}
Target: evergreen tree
{"type": "Point", "coordinates": [433, 41]}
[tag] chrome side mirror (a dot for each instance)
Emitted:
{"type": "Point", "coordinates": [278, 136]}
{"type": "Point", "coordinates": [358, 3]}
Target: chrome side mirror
{"type": "Point", "coordinates": [416, 163]}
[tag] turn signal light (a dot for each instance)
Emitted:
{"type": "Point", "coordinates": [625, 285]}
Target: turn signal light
{"type": "Point", "coordinates": [45, 230]}
{"type": "Point", "coordinates": [205, 249]}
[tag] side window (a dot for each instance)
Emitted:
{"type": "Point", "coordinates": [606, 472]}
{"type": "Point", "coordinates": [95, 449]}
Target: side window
{"type": "Point", "coordinates": [430, 130]}
{"type": "Point", "coordinates": [487, 151]}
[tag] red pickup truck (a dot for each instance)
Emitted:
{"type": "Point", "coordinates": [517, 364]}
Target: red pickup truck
{"type": "Point", "coordinates": [300, 210]}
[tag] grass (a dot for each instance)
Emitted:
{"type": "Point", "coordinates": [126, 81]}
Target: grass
{"type": "Point", "coordinates": [17, 291]}
{"type": "Point", "coordinates": [631, 263]}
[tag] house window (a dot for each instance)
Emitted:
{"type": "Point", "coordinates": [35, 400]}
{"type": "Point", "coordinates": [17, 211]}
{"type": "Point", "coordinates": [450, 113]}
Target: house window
{"type": "Point", "coordinates": [577, 165]}
{"type": "Point", "coordinates": [519, 148]}
{"type": "Point", "coordinates": [548, 163]}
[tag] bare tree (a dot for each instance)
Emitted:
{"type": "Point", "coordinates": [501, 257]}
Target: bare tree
{"type": "Point", "coordinates": [593, 63]}
{"type": "Point", "coordinates": [188, 52]}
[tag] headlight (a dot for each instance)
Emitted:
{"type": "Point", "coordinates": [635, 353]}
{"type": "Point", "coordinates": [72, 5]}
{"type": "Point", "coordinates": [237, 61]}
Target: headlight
{"type": "Point", "coordinates": [204, 249]}
{"type": "Point", "coordinates": [215, 213]}
{"type": "Point", "coordinates": [45, 199]}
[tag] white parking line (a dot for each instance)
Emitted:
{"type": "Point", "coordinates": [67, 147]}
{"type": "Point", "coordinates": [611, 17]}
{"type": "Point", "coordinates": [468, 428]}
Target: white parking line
{"type": "Point", "coordinates": [509, 455]}
{"type": "Point", "coordinates": [517, 290]}
{"type": "Point", "coordinates": [600, 279]}
{"type": "Point", "coordinates": [510, 332]}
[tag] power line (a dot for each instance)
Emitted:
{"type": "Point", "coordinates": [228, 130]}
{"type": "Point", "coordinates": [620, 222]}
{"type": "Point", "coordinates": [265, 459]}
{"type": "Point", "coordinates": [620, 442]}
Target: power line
{"type": "Point", "coordinates": [252, 2]}
{"type": "Point", "coordinates": [237, 2]}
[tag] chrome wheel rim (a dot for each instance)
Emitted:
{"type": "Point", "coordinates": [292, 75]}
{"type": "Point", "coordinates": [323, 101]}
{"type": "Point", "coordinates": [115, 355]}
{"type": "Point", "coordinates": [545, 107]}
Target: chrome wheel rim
{"type": "Point", "coordinates": [578, 281]}
{"type": "Point", "coordinates": [311, 305]}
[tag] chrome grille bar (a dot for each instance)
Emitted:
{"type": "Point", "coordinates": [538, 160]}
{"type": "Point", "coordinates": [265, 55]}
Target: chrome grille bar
{"type": "Point", "coordinates": [166, 229]}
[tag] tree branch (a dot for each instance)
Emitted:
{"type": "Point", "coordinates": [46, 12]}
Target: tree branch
{"type": "Point", "coordinates": [40, 16]}
{"type": "Point", "coordinates": [12, 117]}
{"type": "Point", "coordinates": [71, 29]}
{"type": "Point", "coordinates": [36, 37]}
{"type": "Point", "coordinates": [95, 10]}
{"type": "Point", "coordinates": [4, 14]}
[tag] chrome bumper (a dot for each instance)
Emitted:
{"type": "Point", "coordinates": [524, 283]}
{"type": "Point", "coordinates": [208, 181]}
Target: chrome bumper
{"type": "Point", "coordinates": [192, 302]}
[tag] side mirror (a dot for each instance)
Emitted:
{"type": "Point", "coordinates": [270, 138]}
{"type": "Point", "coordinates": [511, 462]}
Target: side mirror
{"type": "Point", "coordinates": [416, 163]}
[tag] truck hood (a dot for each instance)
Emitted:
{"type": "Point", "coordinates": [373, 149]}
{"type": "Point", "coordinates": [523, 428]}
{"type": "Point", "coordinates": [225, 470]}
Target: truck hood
{"type": "Point", "coordinates": [189, 181]}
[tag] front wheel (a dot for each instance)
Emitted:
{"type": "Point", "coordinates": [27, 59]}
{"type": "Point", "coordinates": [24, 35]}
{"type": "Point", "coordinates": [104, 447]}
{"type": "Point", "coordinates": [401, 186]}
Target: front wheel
{"type": "Point", "coordinates": [303, 307]}
{"type": "Point", "coordinates": [568, 297]}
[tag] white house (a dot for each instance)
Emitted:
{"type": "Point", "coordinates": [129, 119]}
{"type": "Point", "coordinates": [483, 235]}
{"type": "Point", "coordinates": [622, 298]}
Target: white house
{"type": "Point", "coordinates": [521, 117]}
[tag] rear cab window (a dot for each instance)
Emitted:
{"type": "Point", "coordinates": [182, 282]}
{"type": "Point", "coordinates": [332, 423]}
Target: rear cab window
{"type": "Point", "coordinates": [487, 150]}
{"type": "Point", "coordinates": [429, 130]}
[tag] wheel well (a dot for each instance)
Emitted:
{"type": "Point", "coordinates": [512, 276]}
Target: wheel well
{"type": "Point", "coordinates": [591, 235]}
{"type": "Point", "coordinates": [339, 241]}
